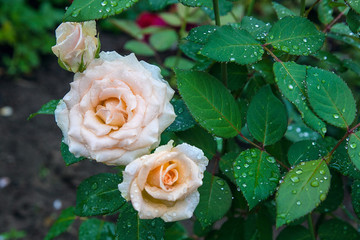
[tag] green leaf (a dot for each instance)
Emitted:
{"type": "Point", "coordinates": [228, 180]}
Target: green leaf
{"type": "Point", "coordinates": [200, 138]}
{"type": "Point", "coordinates": [335, 229]}
{"type": "Point", "coordinates": [201, 34]}
{"type": "Point", "coordinates": [183, 120]}
{"type": "Point", "coordinates": [215, 193]}
{"type": "Point", "coordinates": [85, 10]}
{"type": "Point", "coordinates": [256, 174]}
{"type": "Point", "coordinates": [163, 40]}
{"type": "Point", "coordinates": [67, 156]}
{"type": "Point", "coordinates": [12, 234]}
{"type": "Point", "coordinates": [330, 97]}
{"type": "Point", "coordinates": [129, 27]}
{"type": "Point", "coordinates": [299, 132]}
{"type": "Point", "coordinates": [354, 149]}
{"type": "Point", "coordinates": [180, 63]}
{"type": "Point", "coordinates": [94, 228]}
{"type": "Point", "coordinates": [236, 75]}
{"type": "Point", "coordinates": [229, 44]}
{"type": "Point", "coordinates": [352, 65]}
{"type": "Point", "coordinates": [175, 232]}
{"type": "Point", "coordinates": [265, 69]}
{"type": "Point", "coordinates": [226, 165]}
{"type": "Point", "coordinates": [290, 78]}
{"type": "Point", "coordinates": [232, 229]}
{"type": "Point", "coordinates": [130, 227]}
{"type": "Point", "coordinates": [307, 150]}
{"type": "Point", "coordinates": [258, 226]}
{"type": "Point", "coordinates": [171, 19]}
{"type": "Point", "coordinates": [197, 3]}
{"type": "Point", "coordinates": [257, 28]}
{"type": "Point", "coordinates": [294, 233]}
{"type": "Point", "coordinates": [325, 12]}
{"type": "Point", "coordinates": [341, 162]}
{"type": "Point", "coordinates": [355, 196]}
{"type": "Point", "coordinates": [156, 5]}
{"type": "Point", "coordinates": [353, 20]}
{"type": "Point", "coordinates": [296, 36]}
{"type": "Point", "coordinates": [335, 196]}
{"type": "Point", "coordinates": [282, 11]}
{"type": "Point", "coordinates": [210, 103]}
{"type": "Point", "coordinates": [342, 33]}
{"type": "Point", "coordinates": [99, 195]}
{"type": "Point", "coordinates": [303, 188]}
{"type": "Point", "coordinates": [139, 47]}
{"type": "Point", "coordinates": [47, 108]}
{"type": "Point", "coordinates": [266, 117]}
{"type": "Point", "coordinates": [61, 225]}
{"type": "Point", "coordinates": [354, 4]}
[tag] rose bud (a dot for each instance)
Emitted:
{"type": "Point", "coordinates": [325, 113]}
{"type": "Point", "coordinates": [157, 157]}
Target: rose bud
{"type": "Point", "coordinates": [164, 184]}
{"type": "Point", "coordinates": [76, 45]}
{"type": "Point", "coordinates": [115, 110]}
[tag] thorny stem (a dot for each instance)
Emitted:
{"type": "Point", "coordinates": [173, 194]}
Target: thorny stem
{"type": "Point", "coordinates": [312, 6]}
{"type": "Point", "coordinates": [302, 9]}
{"type": "Point", "coordinates": [311, 227]}
{"type": "Point", "coordinates": [347, 134]}
{"type": "Point", "coordinates": [329, 26]}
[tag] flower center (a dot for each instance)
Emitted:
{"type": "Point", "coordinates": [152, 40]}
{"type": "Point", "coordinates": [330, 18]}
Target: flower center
{"type": "Point", "coordinates": [112, 112]}
{"type": "Point", "coordinates": [164, 176]}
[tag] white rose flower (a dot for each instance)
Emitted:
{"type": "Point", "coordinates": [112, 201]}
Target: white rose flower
{"type": "Point", "coordinates": [76, 44]}
{"type": "Point", "coordinates": [115, 110]}
{"type": "Point", "coordinates": [164, 184]}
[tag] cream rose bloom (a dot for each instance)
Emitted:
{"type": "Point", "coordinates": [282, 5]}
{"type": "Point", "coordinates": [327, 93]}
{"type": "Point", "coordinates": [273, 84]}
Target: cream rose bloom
{"type": "Point", "coordinates": [164, 184]}
{"type": "Point", "coordinates": [76, 44]}
{"type": "Point", "coordinates": [115, 110]}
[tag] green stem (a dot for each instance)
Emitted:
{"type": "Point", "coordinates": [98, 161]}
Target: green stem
{"type": "Point", "coordinates": [180, 34]}
{"type": "Point", "coordinates": [302, 10]}
{"type": "Point", "coordinates": [217, 12]}
{"type": "Point", "coordinates": [311, 227]}
{"type": "Point", "coordinates": [218, 23]}
{"type": "Point", "coordinates": [250, 8]}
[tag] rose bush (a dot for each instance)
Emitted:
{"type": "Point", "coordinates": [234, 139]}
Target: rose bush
{"type": "Point", "coordinates": [115, 110]}
{"type": "Point", "coordinates": [164, 184]}
{"type": "Point", "coordinates": [76, 44]}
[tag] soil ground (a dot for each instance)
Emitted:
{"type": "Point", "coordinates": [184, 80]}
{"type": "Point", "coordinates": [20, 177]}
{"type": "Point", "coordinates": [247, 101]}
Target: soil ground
{"type": "Point", "coordinates": [35, 184]}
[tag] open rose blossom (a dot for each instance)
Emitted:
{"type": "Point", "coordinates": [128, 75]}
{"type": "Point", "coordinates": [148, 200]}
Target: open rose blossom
{"type": "Point", "coordinates": [76, 44]}
{"type": "Point", "coordinates": [164, 184]}
{"type": "Point", "coordinates": [115, 110]}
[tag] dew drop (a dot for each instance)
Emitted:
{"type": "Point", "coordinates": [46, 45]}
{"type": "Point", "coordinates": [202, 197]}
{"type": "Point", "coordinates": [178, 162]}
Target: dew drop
{"type": "Point", "coordinates": [299, 171]}
{"type": "Point", "coordinates": [75, 13]}
{"type": "Point", "coordinates": [353, 145]}
{"type": "Point", "coordinates": [220, 182]}
{"type": "Point", "coordinates": [298, 203]}
{"type": "Point", "coordinates": [294, 179]}
{"type": "Point", "coordinates": [322, 172]}
{"type": "Point", "coordinates": [314, 183]}
{"type": "Point", "coordinates": [336, 116]}
{"type": "Point", "coordinates": [94, 186]}
{"type": "Point", "coordinates": [104, 3]}
{"type": "Point", "coordinates": [291, 87]}
{"type": "Point", "coordinates": [322, 196]}
{"type": "Point", "coordinates": [270, 159]}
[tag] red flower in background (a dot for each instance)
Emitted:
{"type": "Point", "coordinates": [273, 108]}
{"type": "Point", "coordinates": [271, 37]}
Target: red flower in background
{"type": "Point", "coordinates": [150, 19]}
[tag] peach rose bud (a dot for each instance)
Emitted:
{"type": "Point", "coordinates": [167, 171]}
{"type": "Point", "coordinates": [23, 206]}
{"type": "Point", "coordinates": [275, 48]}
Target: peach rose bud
{"type": "Point", "coordinates": [115, 110]}
{"type": "Point", "coordinates": [164, 184]}
{"type": "Point", "coordinates": [76, 45]}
